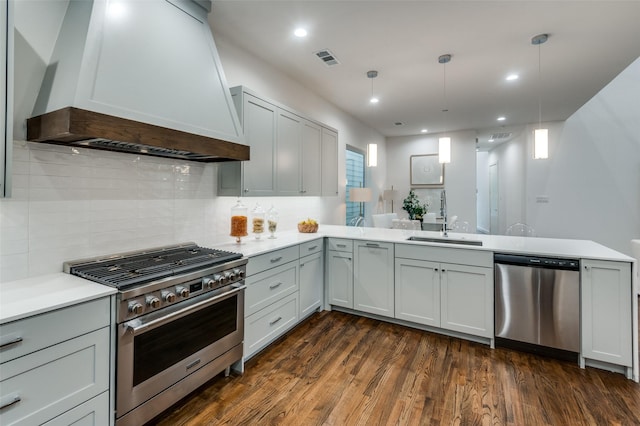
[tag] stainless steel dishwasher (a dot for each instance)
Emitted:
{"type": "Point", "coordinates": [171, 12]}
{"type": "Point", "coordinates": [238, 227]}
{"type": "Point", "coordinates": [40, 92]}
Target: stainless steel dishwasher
{"type": "Point", "coordinates": [537, 304]}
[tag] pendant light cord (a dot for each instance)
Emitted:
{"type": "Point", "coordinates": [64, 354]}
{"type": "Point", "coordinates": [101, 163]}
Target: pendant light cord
{"type": "Point", "coordinates": [539, 86]}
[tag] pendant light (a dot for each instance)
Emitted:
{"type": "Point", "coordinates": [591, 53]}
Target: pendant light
{"type": "Point", "coordinates": [372, 155]}
{"type": "Point", "coordinates": [540, 135]}
{"type": "Point", "coordinates": [444, 142]}
{"type": "Point", "coordinates": [372, 74]}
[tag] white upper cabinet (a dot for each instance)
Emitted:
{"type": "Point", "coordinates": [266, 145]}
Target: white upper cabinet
{"type": "Point", "coordinates": [290, 154]}
{"type": "Point", "coordinates": [329, 162]}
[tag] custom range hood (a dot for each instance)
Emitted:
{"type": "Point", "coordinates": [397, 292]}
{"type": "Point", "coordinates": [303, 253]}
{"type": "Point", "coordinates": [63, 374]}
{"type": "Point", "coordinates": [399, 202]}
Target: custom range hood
{"type": "Point", "coordinates": [138, 76]}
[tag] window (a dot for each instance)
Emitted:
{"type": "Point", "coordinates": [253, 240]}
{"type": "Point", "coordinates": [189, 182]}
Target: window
{"type": "Point", "coordinates": [355, 179]}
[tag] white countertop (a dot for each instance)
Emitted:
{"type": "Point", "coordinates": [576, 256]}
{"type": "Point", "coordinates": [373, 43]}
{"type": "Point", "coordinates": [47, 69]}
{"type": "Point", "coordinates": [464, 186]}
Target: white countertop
{"type": "Point", "coordinates": [552, 247]}
{"type": "Point", "coordinates": [31, 296]}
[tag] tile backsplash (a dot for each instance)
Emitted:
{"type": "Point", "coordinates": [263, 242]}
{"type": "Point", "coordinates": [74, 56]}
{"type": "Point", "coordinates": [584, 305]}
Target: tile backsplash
{"type": "Point", "coordinates": [70, 203]}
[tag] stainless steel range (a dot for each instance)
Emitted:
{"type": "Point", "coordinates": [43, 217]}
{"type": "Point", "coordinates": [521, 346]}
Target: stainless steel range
{"type": "Point", "coordinates": [180, 321]}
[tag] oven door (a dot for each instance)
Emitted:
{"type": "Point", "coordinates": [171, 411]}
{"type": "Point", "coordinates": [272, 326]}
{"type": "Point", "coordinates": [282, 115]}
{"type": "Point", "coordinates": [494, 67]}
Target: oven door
{"type": "Point", "coordinates": [161, 348]}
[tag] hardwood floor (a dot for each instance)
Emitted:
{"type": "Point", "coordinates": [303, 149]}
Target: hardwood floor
{"type": "Point", "coordinates": [339, 369]}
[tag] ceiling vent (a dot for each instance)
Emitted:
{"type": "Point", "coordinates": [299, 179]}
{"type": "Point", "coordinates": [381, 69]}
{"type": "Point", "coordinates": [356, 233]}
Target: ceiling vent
{"type": "Point", "coordinates": [327, 57]}
{"type": "Point", "coordinates": [503, 135]}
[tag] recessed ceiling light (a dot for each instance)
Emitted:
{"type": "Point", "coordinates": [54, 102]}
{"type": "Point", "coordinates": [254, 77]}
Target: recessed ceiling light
{"type": "Point", "coordinates": [490, 140]}
{"type": "Point", "coordinates": [374, 100]}
{"type": "Point", "coordinates": [501, 118]}
{"type": "Point", "coordinates": [512, 77]}
{"type": "Point", "coordinates": [300, 32]}
{"type": "Point", "coordinates": [424, 130]}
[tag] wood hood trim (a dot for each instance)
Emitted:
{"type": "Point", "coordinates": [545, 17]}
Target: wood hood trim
{"type": "Point", "coordinates": [89, 129]}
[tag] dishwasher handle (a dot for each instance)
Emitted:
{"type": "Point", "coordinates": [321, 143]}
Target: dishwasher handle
{"type": "Point", "coordinates": [537, 261]}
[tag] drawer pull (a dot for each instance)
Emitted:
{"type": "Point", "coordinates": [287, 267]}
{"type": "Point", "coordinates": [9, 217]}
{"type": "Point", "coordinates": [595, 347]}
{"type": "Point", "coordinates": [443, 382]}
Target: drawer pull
{"type": "Point", "coordinates": [276, 285]}
{"type": "Point", "coordinates": [7, 341]}
{"type": "Point", "coordinates": [373, 245]}
{"type": "Point", "coordinates": [313, 248]}
{"type": "Point", "coordinates": [276, 259]}
{"type": "Point", "coordinates": [272, 322]}
{"type": "Point", "coordinates": [193, 363]}
{"type": "Point", "coordinates": [341, 245]}
{"type": "Point", "coordinates": [9, 400]}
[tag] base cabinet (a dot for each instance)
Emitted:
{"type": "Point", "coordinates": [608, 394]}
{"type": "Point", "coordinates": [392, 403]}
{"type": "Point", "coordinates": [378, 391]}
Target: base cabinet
{"type": "Point", "coordinates": [65, 374]}
{"type": "Point", "coordinates": [373, 287]}
{"type": "Point", "coordinates": [311, 283]}
{"type": "Point", "coordinates": [451, 296]}
{"type": "Point", "coordinates": [339, 272]}
{"type": "Point", "coordinates": [417, 295]}
{"type": "Point", "coordinates": [606, 312]}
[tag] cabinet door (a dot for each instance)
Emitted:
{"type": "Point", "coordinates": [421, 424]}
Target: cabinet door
{"type": "Point", "coordinates": [259, 121]}
{"type": "Point", "coordinates": [288, 146]}
{"type": "Point", "coordinates": [311, 283]}
{"type": "Point", "coordinates": [417, 291]}
{"type": "Point", "coordinates": [467, 299]}
{"type": "Point", "coordinates": [340, 278]}
{"type": "Point", "coordinates": [311, 158]}
{"type": "Point", "coordinates": [606, 311]}
{"type": "Point", "coordinates": [373, 278]}
{"type": "Point", "coordinates": [329, 162]}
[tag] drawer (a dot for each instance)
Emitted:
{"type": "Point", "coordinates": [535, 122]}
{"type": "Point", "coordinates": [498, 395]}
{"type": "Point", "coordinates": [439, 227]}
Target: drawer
{"type": "Point", "coordinates": [311, 247]}
{"type": "Point", "coordinates": [272, 259]}
{"type": "Point", "coordinates": [269, 286]}
{"type": "Point", "coordinates": [341, 244]}
{"type": "Point", "coordinates": [53, 327]}
{"type": "Point", "coordinates": [94, 412]}
{"type": "Point", "coordinates": [469, 257]}
{"type": "Point", "coordinates": [266, 325]}
{"type": "Point", "coordinates": [73, 371]}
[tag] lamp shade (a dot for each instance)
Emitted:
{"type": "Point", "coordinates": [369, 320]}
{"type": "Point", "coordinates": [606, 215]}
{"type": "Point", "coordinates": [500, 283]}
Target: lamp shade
{"type": "Point", "coordinates": [444, 150]}
{"type": "Point", "coordinates": [540, 144]}
{"type": "Point", "coordinates": [360, 195]}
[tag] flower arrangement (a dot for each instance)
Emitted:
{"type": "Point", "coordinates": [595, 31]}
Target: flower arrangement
{"type": "Point", "coordinates": [412, 205]}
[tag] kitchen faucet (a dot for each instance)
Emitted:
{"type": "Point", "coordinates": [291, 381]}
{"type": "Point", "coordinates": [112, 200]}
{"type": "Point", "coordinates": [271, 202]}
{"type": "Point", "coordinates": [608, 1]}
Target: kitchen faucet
{"type": "Point", "coordinates": [443, 211]}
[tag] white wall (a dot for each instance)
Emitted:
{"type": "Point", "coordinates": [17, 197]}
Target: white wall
{"type": "Point", "coordinates": [459, 175]}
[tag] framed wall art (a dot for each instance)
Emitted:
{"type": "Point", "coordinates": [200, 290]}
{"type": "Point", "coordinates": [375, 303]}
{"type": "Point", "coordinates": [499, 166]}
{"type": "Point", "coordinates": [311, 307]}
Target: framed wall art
{"type": "Point", "coordinates": [426, 171]}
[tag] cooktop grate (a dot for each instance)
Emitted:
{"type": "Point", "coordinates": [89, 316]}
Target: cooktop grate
{"type": "Point", "coordinates": [137, 269]}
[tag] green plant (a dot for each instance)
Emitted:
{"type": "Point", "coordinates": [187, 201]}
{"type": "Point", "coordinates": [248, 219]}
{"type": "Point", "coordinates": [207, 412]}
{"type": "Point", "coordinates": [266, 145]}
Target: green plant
{"type": "Point", "coordinates": [412, 205]}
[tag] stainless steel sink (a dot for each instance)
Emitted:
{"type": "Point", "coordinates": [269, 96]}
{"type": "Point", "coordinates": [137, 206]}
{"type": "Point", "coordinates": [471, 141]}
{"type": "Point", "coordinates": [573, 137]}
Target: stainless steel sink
{"type": "Point", "coordinates": [446, 241]}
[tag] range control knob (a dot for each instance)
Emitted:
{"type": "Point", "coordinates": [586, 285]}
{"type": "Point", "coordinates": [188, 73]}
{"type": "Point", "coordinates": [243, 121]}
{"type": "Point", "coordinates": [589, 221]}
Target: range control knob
{"type": "Point", "coordinates": [153, 301]}
{"type": "Point", "coordinates": [230, 276]}
{"type": "Point", "coordinates": [182, 291]}
{"type": "Point", "coordinates": [135, 308]}
{"type": "Point", "coordinates": [239, 273]}
{"type": "Point", "coordinates": [169, 296]}
{"type": "Point", "coordinates": [219, 279]}
{"type": "Point", "coordinates": [209, 282]}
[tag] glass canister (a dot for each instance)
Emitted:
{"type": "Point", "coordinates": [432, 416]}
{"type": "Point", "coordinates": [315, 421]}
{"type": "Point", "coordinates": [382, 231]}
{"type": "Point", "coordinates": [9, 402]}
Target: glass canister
{"type": "Point", "coordinates": [238, 221]}
{"type": "Point", "coordinates": [257, 220]}
{"type": "Point", "coordinates": [272, 221]}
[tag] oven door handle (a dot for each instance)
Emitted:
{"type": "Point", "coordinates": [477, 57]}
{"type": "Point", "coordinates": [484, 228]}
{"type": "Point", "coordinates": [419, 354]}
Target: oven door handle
{"type": "Point", "coordinates": [136, 326]}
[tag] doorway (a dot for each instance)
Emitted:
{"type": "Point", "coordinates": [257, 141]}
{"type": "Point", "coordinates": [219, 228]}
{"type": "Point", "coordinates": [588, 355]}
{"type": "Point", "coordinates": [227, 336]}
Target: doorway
{"type": "Point", "coordinates": [494, 199]}
{"type": "Point", "coordinates": [355, 179]}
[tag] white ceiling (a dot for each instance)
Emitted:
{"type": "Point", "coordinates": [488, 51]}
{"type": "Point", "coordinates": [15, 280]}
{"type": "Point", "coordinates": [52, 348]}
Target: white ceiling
{"type": "Point", "coordinates": [590, 42]}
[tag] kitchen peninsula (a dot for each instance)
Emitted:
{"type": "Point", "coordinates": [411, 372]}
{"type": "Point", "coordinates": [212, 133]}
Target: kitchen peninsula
{"type": "Point", "coordinates": [608, 308]}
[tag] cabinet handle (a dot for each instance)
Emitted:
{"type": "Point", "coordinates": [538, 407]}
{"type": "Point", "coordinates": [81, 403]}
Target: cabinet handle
{"type": "Point", "coordinates": [443, 271]}
{"type": "Point", "coordinates": [276, 285]}
{"type": "Point", "coordinates": [276, 259]}
{"type": "Point", "coordinates": [9, 400]}
{"type": "Point", "coordinates": [6, 341]}
{"type": "Point", "coordinates": [341, 245]}
{"type": "Point", "coordinates": [435, 269]}
{"type": "Point", "coordinates": [373, 245]}
{"type": "Point", "coordinates": [246, 190]}
{"type": "Point", "coordinates": [272, 322]}
{"type": "Point", "coordinates": [313, 248]}
{"type": "Point", "coordinates": [586, 268]}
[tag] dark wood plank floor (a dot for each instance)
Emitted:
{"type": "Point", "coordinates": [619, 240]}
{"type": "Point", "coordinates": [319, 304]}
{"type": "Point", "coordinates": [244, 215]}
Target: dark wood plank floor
{"type": "Point", "coordinates": [339, 369]}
